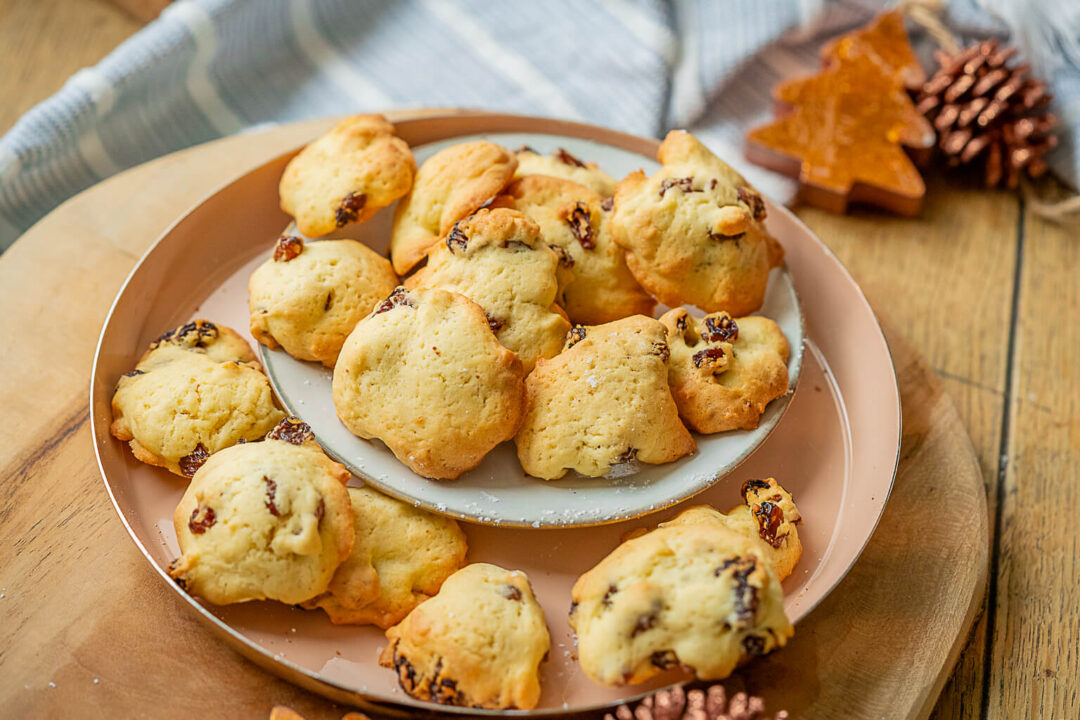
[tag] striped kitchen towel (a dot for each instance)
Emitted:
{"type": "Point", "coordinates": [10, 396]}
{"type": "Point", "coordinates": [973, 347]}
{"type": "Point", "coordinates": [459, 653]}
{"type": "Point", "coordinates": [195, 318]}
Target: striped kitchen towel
{"type": "Point", "coordinates": [209, 68]}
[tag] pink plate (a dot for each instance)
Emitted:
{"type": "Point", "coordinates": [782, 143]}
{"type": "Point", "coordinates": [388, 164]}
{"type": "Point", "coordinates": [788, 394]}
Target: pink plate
{"type": "Point", "coordinates": [835, 448]}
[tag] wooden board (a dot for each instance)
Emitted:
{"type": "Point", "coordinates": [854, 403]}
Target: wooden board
{"type": "Point", "coordinates": [80, 605]}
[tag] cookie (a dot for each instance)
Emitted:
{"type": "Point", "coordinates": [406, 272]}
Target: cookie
{"type": "Point", "coordinates": [767, 515]}
{"type": "Point", "coordinates": [198, 389]}
{"type": "Point", "coordinates": [346, 175]}
{"type": "Point", "coordinates": [308, 297]}
{"type": "Point", "coordinates": [697, 595]}
{"type": "Point", "coordinates": [723, 372]}
{"type": "Point", "coordinates": [694, 232]}
{"type": "Point", "coordinates": [497, 259]}
{"type": "Point", "coordinates": [425, 374]}
{"type": "Point", "coordinates": [450, 185]}
{"type": "Point", "coordinates": [562, 164]}
{"type": "Point", "coordinates": [478, 643]}
{"type": "Point", "coordinates": [264, 520]}
{"type": "Point", "coordinates": [576, 219]}
{"type": "Point", "coordinates": [602, 402]}
{"type": "Point", "coordinates": [400, 557]}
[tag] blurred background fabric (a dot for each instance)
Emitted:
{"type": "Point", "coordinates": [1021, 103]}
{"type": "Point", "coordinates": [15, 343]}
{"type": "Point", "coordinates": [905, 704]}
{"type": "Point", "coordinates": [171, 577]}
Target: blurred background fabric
{"type": "Point", "coordinates": [209, 68]}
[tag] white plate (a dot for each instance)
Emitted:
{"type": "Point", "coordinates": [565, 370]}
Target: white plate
{"type": "Point", "coordinates": [498, 492]}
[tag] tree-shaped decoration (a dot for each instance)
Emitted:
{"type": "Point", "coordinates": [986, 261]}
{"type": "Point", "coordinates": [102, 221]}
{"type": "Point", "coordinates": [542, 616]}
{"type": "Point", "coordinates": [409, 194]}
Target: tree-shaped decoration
{"type": "Point", "coordinates": [842, 132]}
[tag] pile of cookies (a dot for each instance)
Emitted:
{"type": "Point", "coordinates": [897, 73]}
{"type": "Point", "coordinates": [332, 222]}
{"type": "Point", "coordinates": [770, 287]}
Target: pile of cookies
{"type": "Point", "coordinates": [517, 303]}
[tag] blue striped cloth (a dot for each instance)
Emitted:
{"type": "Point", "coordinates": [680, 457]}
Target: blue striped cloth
{"type": "Point", "coordinates": [209, 68]}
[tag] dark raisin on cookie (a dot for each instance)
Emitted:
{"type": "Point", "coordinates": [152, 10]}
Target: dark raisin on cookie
{"type": "Point", "coordinates": [573, 606]}
{"type": "Point", "coordinates": [193, 460]}
{"type": "Point", "coordinates": [753, 485]}
{"type": "Point", "coordinates": [271, 495]}
{"type": "Point", "coordinates": [661, 350]}
{"type": "Point", "coordinates": [720, 328]}
{"type": "Point", "coordinates": [442, 689]}
{"type": "Point", "coordinates": [709, 356]}
{"type": "Point", "coordinates": [629, 455]}
{"type": "Point", "coordinates": [746, 595]}
{"type": "Point", "coordinates": [576, 335]}
{"type": "Point", "coordinates": [753, 201]}
{"type": "Point", "coordinates": [607, 204]}
{"type": "Point", "coordinates": [350, 208]}
{"type": "Point", "coordinates": [754, 645]}
{"type": "Point", "coordinates": [329, 300]}
{"type": "Point", "coordinates": [664, 659]}
{"type": "Point", "coordinates": [567, 159]}
{"type": "Point", "coordinates": [400, 296]}
{"type": "Point", "coordinates": [564, 257]}
{"type": "Point", "coordinates": [456, 238]}
{"type": "Point", "coordinates": [682, 321]}
{"type": "Point", "coordinates": [180, 581]}
{"type": "Point", "coordinates": [580, 222]}
{"type": "Point", "coordinates": [510, 592]}
{"type": "Point", "coordinates": [721, 237]}
{"type": "Point", "coordinates": [133, 373]}
{"type": "Point", "coordinates": [199, 333]}
{"type": "Point", "coordinates": [288, 247]}
{"type": "Point", "coordinates": [320, 510]}
{"type": "Point", "coordinates": [494, 323]}
{"type": "Point", "coordinates": [406, 673]}
{"type": "Point", "coordinates": [769, 516]}
{"type": "Point", "coordinates": [685, 184]}
{"type": "Point", "coordinates": [292, 430]}
{"type": "Point", "coordinates": [646, 621]}
{"type": "Point", "coordinates": [526, 149]}
{"type": "Point", "coordinates": [712, 184]}
{"type": "Point", "coordinates": [606, 600]}
{"type": "Point", "coordinates": [202, 519]}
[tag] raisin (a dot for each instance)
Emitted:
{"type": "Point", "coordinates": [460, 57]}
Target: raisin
{"type": "Point", "coordinates": [663, 659]}
{"type": "Point", "coordinates": [711, 355]}
{"type": "Point", "coordinates": [769, 516]}
{"type": "Point", "coordinates": [753, 485]}
{"type": "Point", "coordinates": [510, 592]}
{"type": "Point", "coordinates": [628, 456]}
{"type": "Point", "coordinates": [607, 204]}
{"type": "Point", "coordinates": [193, 460]}
{"type": "Point", "coordinates": [685, 184]}
{"type": "Point", "coordinates": [681, 321]}
{"type": "Point", "coordinates": [329, 299]}
{"type": "Point", "coordinates": [566, 158]}
{"type": "Point", "coordinates": [292, 430]}
{"type": "Point", "coordinates": [271, 494]}
{"type": "Point", "coordinates": [400, 296]}
{"type": "Point", "coordinates": [576, 335]}
{"type": "Point", "coordinates": [199, 333]}
{"type": "Point", "coordinates": [202, 519]}
{"type": "Point", "coordinates": [646, 622]}
{"type": "Point", "coordinates": [133, 373]}
{"type": "Point", "coordinates": [573, 606]}
{"type": "Point", "coordinates": [350, 208]}
{"type": "Point", "coordinates": [443, 690]}
{"type": "Point", "coordinates": [457, 238]}
{"type": "Point", "coordinates": [527, 149]}
{"type": "Point", "coordinates": [720, 237]}
{"type": "Point", "coordinates": [754, 645]}
{"type": "Point", "coordinates": [320, 510]}
{"type": "Point", "coordinates": [712, 184]}
{"type": "Point", "coordinates": [287, 248]}
{"type": "Point", "coordinates": [606, 600]}
{"type": "Point", "coordinates": [580, 222]}
{"type": "Point", "coordinates": [662, 350]}
{"type": "Point", "coordinates": [720, 328]}
{"type": "Point", "coordinates": [746, 595]}
{"type": "Point", "coordinates": [753, 201]}
{"type": "Point", "coordinates": [406, 673]}
{"type": "Point", "coordinates": [494, 323]}
{"type": "Point", "coordinates": [180, 581]}
{"type": "Point", "coordinates": [564, 257]}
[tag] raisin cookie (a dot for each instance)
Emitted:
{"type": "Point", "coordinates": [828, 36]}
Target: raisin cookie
{"type": "Point", "coordinates": [264, 520]}
{"type": "Point", "coordinates": [400, 557]}
{"type": "Point", "coordinates": [602, 402]}
{"type": "Point", "coordinates": [497, 259]}
{"type": "Point", "coordinates": [698, 595]}
{"type": "Point", "coordinates": [450, 185]}
{"type": "Point", "coordinates": [478, 643]}
{"type": "Point", "coordinates": [723, 372]}
{"type": "Point", "coordinates": [694, 232]}
{"type": "Point", "coordinates": [346, 175]}
{"type": "Point", "coordinates": [768, 515]}
{"type": "Point", "coordinates": [307, 298]}
{"type": "Point", "coordinates": [198, 389]}
{"type": "Point", "coordinates": [573, 218]}
{"type": "Point", "coordinates": [425, 374]}
{"type": "Point", "coordinates": [562, 164]}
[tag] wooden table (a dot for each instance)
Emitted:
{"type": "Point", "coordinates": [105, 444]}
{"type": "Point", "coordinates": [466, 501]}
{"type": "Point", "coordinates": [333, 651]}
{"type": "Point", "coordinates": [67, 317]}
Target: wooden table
{"type": "Point", "coordinates": [988, 292]}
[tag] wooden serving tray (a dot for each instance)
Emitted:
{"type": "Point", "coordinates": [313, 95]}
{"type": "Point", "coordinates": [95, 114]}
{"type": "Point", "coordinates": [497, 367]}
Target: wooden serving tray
{"type": "Point", "coordinates": [88, 630]}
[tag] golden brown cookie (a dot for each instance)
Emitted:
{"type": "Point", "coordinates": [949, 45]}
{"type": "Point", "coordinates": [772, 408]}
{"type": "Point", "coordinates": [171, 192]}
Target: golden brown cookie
{"type": "Point", "coordinates": [400, 557]}
{"type": "Point", "coordinates": [308, 297]}
{"type": "Point", "coordinates": [198, 389]}
{"type": "Point", "coordinates": [767, 515]}
{"type": "Point", "coordinates": [697, 595]}
{"type": "Point", "coordinates": [425, 374]}
{"type": "Point", "coordinates": [452, 184]}
{"type": "Point", "coordinates": [562, 164]}
{"type": "Point", "coordinates": [723, 371]}
{"type": "Point", "coordinates": [478, 643]}
{"type": "Point", "coordinates": [346, 175]}
{"type": "Point", "coordinates": [264, 520]}
{"type": "Point", "coordinates": [497, 259]}
{"type": "Point", "coordinates": [694, 232]}
{"type": "Point", "coordinates": [576, 219]}
{"type": "Point", "coordinates": [602, 402]}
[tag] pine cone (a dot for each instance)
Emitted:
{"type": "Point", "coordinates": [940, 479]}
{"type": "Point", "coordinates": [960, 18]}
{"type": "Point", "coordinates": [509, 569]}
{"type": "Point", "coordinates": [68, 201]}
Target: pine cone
{"type": "Point", "coordinates": [984, 109]}
{"type": "Point", "coordinates": [710, 704]}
